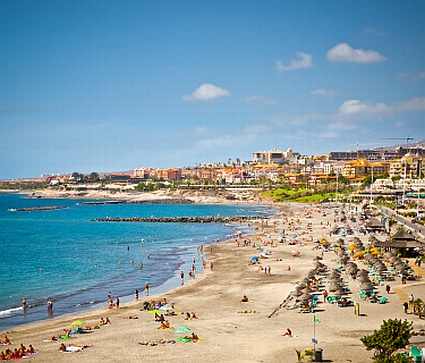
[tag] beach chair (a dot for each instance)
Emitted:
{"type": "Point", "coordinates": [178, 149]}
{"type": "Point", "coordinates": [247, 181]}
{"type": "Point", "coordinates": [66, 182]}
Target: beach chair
{"type": "Point", "coordinates": [331, 299]}
{"type": "Point", "coordinates": [363, 295]}
{"type": "Point", "coordinates": [416, 354]}
{"type": "Point", "coordinates": [383, 300]}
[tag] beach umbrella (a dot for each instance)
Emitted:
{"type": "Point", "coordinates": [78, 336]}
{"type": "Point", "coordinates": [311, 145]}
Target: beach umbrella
{"type": "Point", "coordinates": [362, 272]}
{"type": "Point", "coordinates": [389, 255]}
{"type": "Point", "coordinates": [78, 323]}
{"type": "Point", "coordinates": [366, 286]}
{"type": "Point", "coordinates": [339, 292]}
{"type": "Point", "coordinates": [340, 253]}
{"type": "Point", "coordinates": [306, 280]}
{"type": "Point", "coordinates": [359, 254]}
{"type": "Point", "coordinates": [352, 247]}
{"type": "Point", "coordinates": [352, 270]}
{"type": "Point", "coordinates": [334, 273]}
{"type": "Point", "coordinates": [298, 292]}
{"type": "Point", "coordinates": [307, 290]}
{"type": "Point", "coordinates": [311, 274]}
{"type": "Point", "coordinates": [401, 266]}
{"type": "Point", "coordinates": [305, 296]}
{"type": "Point", "coordinates": [380, 267]}
{"type": "Point", "coordinates": [345, 258]}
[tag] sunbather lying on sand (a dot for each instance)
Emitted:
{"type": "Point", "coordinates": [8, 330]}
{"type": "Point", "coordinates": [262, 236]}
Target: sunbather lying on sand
{"type": "Point", "coordinates": [152, 343]}
{"type": "Point", "coordinates": [5, 341]}
{"type": "Point", "coordinates": [288, 333]}
{"type": "Point", "coordinates": [165, 325]}
{"type": "Point", "coordinates": [244, 299]}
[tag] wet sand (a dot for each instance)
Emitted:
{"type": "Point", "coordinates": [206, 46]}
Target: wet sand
{"type": "Point", "coordinates": [214, 295]}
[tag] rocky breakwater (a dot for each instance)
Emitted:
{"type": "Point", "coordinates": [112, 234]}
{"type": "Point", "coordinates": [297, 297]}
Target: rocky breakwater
{"type": "Point", "coordinates": [35, 209]}
{"type": "Point", "coordinates": [193, 219]}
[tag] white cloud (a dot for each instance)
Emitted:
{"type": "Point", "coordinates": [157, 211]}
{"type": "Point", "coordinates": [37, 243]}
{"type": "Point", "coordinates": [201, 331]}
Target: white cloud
{"type": "Point", "coordinates": [414, 104]}
{"type": "Point", "coordinates": [343, 53]}
{"type": "Point", "coordinates": [328, 134]}
{"type": "Point", "coordinates": [206, 92]}
{"type": "Point", "coordinates": [363, 108]}
{"type": "Point", "coordinates": [399, 123]}
{"type": "Point", "coordinates": [261, 99]}
{"type": "Point", "coordinates": [367, 109]}
{"type": "Point", "coordinates": [323, 92]}
{"type": "Point", "coordinates": [373, 31]}
{"type": "Point", "coordinates": [412, 77]}
{"type": "Point", "coordinates": [342, 126]}
{"type": "Point", "coordinates": [304, 61]}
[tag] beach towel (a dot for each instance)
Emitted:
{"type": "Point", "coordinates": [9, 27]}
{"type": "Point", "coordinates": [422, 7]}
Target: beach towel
{"type": "Point", "coordinates": [72, 349]}
{"type": "Point", "coordinates": [182, 329]}
{"type": "Point", "coordinates": [187, 340]}
{"type": "Point", "coordinates": [184, 340]}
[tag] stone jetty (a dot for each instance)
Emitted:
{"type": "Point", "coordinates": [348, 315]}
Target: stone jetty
{"type": "Point", "coordinates": [34, 209]}
{"type": "Point", "coordinates": [192, 219]}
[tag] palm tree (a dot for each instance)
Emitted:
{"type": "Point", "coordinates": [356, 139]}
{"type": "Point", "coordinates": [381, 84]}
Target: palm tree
{"type": "Point", "coordinates": [418, 307]}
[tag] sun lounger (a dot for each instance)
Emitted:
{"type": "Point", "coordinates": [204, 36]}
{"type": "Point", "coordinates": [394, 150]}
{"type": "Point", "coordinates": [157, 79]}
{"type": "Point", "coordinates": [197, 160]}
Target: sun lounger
{"type": "Point", "coordinates": [416, 354]}
{"type": "Point", "coordinates": [383, 300]}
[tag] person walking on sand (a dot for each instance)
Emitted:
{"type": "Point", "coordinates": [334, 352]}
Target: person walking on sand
{"type": "Point", "coordinates": [411, 299]}
{"type": "Point", "coordinates": [117, 302]}
{"type": "Point", "coordinates": [147, 288]}
{"type": "Point", "coordinates": [406, 307]}
{"type": "Point", "coordinates": [325, 295]}
{"type": "Point", "coordinates": [49, 308]}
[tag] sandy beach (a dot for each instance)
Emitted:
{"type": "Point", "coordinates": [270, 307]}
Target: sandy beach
{"type": "Point", "coordinates": [227, 333]}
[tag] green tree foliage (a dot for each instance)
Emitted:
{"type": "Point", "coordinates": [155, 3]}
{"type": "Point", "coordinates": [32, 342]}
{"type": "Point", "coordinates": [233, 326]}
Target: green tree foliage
{"type": "Point", "coordinates": [94, 176]}
{"type": "Point", "coordinates": [393, 335]}
{"type": "Point", "coordinates": [77, 176]}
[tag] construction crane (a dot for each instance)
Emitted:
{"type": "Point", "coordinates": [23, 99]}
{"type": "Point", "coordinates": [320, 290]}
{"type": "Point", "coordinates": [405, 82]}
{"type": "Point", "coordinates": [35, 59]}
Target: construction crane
{"type": "Point", "coordinates": [408, 138]}
{"type": "Point", "coordinates": [357, 147]}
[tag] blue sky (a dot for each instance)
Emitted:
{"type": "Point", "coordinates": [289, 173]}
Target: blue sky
{"type": "Point", "coordinates": [117, 85]}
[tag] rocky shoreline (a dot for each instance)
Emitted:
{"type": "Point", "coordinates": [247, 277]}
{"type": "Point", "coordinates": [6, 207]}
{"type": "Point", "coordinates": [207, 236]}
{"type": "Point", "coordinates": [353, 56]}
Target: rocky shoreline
{"type": "Point", "coordinates": [149, 201]}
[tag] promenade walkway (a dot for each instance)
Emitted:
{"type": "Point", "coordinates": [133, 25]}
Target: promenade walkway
{"type": "Point", "coordinates": [400, 289]}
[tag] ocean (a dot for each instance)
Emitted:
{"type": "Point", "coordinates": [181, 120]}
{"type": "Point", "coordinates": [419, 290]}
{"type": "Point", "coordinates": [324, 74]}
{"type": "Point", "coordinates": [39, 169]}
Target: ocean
{"type": "Point", "coordinates": [63, 256]}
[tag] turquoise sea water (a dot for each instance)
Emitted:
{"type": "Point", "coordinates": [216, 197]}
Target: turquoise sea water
{"type": "Point", "coordinates": [62, 256]}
